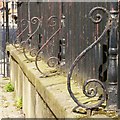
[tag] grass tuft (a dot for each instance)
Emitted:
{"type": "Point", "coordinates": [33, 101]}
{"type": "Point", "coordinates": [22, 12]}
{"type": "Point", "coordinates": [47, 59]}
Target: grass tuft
{"type": "Point", "coordinates": [19, 103]}
{"type": "Point", "coordinates": [9, 87]}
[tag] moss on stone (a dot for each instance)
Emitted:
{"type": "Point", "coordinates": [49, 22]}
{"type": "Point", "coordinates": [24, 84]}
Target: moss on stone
{"type": "Point", "coordinates": [9, 87]}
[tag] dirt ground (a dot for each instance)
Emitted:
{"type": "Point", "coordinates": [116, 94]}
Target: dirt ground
{"type": "Point", "coordinates": [8, 108]}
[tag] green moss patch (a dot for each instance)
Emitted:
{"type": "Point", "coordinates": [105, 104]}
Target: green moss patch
{"type": "Point", "coordinates": [18, 103]}
{"type": "Point", "coordinates": [9, 87]}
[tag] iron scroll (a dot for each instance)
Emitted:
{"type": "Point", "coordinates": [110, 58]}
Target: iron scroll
{"type": "Point", "coordinates": [25, 23]}
{"type": "Point", "coordinates": [52, 61]}
{"type": "Point", "coordinates": [27, 42]}
{"type": "Point", "coordinates": [92, 92]}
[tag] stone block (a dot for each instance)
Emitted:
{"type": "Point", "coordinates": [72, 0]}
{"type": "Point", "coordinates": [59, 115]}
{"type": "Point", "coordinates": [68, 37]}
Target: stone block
{"type": "Point", "coordinates": [20, 80]}
{"type": "Point", "coordinates": [12, 71]}
{"type": "Point", "coordinates": [15, 67]}
{"type": "Point", "coordinates": [42, 109]}
{"type": "Point", "coordinates": [31, 100]}
{"type": "Point", "coordinates": [25, 99]}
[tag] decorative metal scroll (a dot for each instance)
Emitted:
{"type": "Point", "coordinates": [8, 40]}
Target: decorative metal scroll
{"type": "Point", "coordinates": [27, 43]}
{"type": "Point", "coordinates": [88, 91]}
{"type": "Point", "coordinates": [23, 22]}
{"type": "Point", "coordinates": [13, 34]}
{"type": "Point", "coordinates": [52, 21]}
{"type": "Point", "coordinates": [52, 61]}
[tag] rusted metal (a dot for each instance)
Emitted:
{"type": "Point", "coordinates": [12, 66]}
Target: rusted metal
{"type": "Point", "coordinates": [81, 55]}
{"type": "Point", "coordinates": [43, 46]}
{"type": "Point", "coordinates": [51, 21]}
{"type": "Point", "coordinates": [53, 61]}
{"type": "Point", "coordinates": [27, 43]}
{"type": "Point", "coordinates": [98, 16]}
{"type": "Point", "coordinates": [23, 22]}
{"type": "Point", "coordinates": [61, 41]}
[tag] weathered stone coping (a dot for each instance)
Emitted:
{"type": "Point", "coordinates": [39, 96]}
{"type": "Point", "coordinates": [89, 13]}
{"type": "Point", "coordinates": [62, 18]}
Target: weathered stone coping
{"type": "Point", "coordinates": [53, 90]}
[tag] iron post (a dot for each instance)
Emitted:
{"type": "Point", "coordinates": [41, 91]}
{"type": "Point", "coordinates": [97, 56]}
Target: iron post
{"type": "Point", "coordinates": [7, 22]}
{"type": "Point", "coordinates": [11, 41]}
{"type": "Point", "coordinates": [3, 40]}
{"type": "Point", "coordinates": [118, 88]}
{"type": "Point", "coordinates": [29, 23]}
{"type": "Point", "coordinates": [112, 59]}
{"type": "Point", "coordinates": [7, 36]}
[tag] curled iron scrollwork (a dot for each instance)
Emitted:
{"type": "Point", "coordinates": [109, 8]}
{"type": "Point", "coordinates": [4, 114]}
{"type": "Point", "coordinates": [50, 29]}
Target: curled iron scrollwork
{"type": "Point", "coordinates": [52, 21]}
{"type": "Point", "coordinates": [13, 34]}
{"type": "Point", "coordinates": [23, 22]}
{"type": "Point", "coordinates": [98, 16]}
{"type": "Point", "coordinates": [90, 92]}
{"type": "Point", "coordinates": [33, 52]}
{"type": "Point", "coordinates": [53, 61]}
{"type": "Point", "coordinates": [43, 46]}
{"type": "Point", "coordinates": [56, 61]}
{"type": "Point", "coordinates": [27, 43]}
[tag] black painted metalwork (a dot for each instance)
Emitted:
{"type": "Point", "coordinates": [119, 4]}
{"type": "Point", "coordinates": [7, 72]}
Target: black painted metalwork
{"type": "Point", "coordinates": [62, 51]}
{"type": "Point", "coordinates": [92, 92]}
{"type": "Point", "coordinates": [3, 66]}
{"type": "Point", "coordinates": [118, 88]}
{"type": "Point", "coordinates": [7, 35]}
{"type": "Point", "coordinates": [103, 66]}
{"type": "Point", "coordinates": [113, 58]}
{"type": "Point", "coordinates": [7, 23]}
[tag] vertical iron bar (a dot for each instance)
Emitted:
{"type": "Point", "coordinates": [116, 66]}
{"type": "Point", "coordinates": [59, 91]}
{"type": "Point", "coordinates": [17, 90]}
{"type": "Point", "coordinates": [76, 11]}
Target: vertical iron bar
{"type": "Point", "coordinates": [7, 23]}
{"type": "Point", "coordinates": [112, 59]}
{"type": "Point", "coordinates": [4, 40]}
{"type": "Point", "coordinates": [12, 15]}
{"type": "Point", "coordinates": [2, 64]}
{"type": "Point", "coordinates": [7, 36]}
{"type": "Point", "coordinates": [11, 40]}
{"type": "Point", "coordinates": [118, 91]}
{"type": "Point", "coordinates": [29, 15]}
{"type": "Point", "coordinates": [29, 18]}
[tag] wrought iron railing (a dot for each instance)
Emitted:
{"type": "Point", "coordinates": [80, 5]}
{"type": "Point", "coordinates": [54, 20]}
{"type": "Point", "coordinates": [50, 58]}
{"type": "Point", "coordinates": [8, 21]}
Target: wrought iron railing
{"type": "Point", "coordinates": [23, 22]}
{"type": "Point", "coordinates": [52, 61]}
{"type": "Point", "coordinates": [92, 91]}
{"type": "Point", "coordinates": [27, 43]}
{"type": "Point", "coordinates": [92, 88]}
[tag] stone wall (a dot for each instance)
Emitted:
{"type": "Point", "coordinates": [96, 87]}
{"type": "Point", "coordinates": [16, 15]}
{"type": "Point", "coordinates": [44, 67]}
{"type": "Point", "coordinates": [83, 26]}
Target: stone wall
{"type": "Point", "coordinates": [42, 97]}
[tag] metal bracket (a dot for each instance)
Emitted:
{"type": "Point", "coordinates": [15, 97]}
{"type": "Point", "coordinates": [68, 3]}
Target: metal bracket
{"type": "Point", "coordinates": [88, 91]}
{"type": "Point", "coordinates": [27, 43]}
{"type": "Point", "coordinates": [51, 60]}
{"type": "Point", "coordinates": [23, 22]}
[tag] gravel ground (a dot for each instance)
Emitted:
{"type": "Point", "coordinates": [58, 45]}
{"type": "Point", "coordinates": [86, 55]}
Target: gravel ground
{"type": "Point", "coordinates": [7, 103]}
